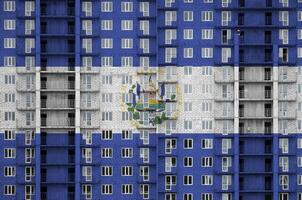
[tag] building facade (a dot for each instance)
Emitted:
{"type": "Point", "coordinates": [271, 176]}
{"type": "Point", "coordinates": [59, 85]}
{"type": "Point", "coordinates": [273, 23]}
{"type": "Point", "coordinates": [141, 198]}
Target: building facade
{"type": "Point", "coordinates": [151, 99]}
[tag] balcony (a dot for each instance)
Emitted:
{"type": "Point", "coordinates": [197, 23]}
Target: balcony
{"type": "Point", "coordinates": [59, 104]}
{"type": "Point", "coordinates": [51, 86]}
{"type": "Point", "coordinates": [63, 123]}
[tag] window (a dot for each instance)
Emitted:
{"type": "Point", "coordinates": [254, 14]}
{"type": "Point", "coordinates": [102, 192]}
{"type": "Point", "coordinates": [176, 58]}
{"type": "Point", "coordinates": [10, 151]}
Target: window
{"type": "Point", "coordinates": [170, 17]}
{"type": "Point", "coordinates": [29, 26]}
{"type": "Point", "coordinates": [144, 26]}
{"type": "Point", "coordinates": [207, 52]}
{"type": "Point", "coordinates": [225, 3]}
{"type": "Point", "coordinates": [207, 143]}
{"type": "Point", "coordinates": [170, 162]}
{"type": "Point", "coordinates": [207, 34]}
{"type": "Point", "coordinates": [283, 36]}
{"type": "Point", "coordinates": [206, 162]}
{"type": "Point", "coordinates": [9, 135]}
{"type": "Point", "coordinates": [127, 135]}
{"type": "Point", "coordinates": [226, 163]}
{"type": "Point", "coordinates": [87, 62]}
{"type": "Point", "coordinates": [106, 98]}
{"type": "Point", "coordinates": [188, 15]}
{"type": "Point", "coordinates": [87, 27]}
{"type": "Point", "coordinates": [127, 7]}
{"type": "Point", "coordinates": [188, 106]}
{"type": "Point", "coordinates": [283, 196]}
{"type": "Point", "coordinates": [299, 179]}
{"type": "Point", "coordinates": [29, 45]}
{"type": "Point", "coordinates": [9, 6]}
{"type": "Point", "coordinates": [299, 52]}
{"type": "Point", "coordinates": [9, 190]}
{"type": "Point", "coordinates": [283, 145]}
{"type": "Point", "coordinates": [127, 153]}
{"type": "Point", "coordinates": [127, 188]}
{"type": "Point", "coordinates": [206, 196]}
{"type": "Point", "coordinates": [106, 6]}
{"type": "Point", "coordinates": [87, 173]}
{"type": "Point", "coordinates": [226, 54]}
{"type": "Point", "coordinates": [106, 116]}
{"type": "Point", "coordinates": [188, 70]}
{"type": "Point", "coordinates": [299, 143]}
{"type": "Point", "coordinates": [207, 16]}
{"type": "Point", "coordinates": [127, 61]}
{"type": "Point", "coordinates": [187, 88]}
{"type": "Point", "coordinates": [9, 43]}
{"type": "Point", "coordinates": [127, 25]}
{"type": "Point", "coordinates": [106, 170]}
{"type": "Point", "coordinates": [87, 45]}
{"type": "Point", "coordinates": [87, 137]}
{"type": "Point", "coordinates": [226, 145]}
{"type": "Point", "coordinates": [107, 25]}
{"type": "Point", "coordinates": [9, 171]}
{"type": "Point", "coordinates": [106, 152]}
{"type": "Point", "coordinates": [170, 181]}
{"type": "Point", "coordinates": [170, 34]}
{"type": "Point", "coordinates": [170, 53]}
{"type": "Point", "coordinates": [144, 8]}
{"type": "Point", "coordinates": [188, 143]}
{"type": "Point", "coordinates": [87, 8]}
{"type": "Point", "coordinates": [188, 125]}
{"type": "Point", "coordinates": [107, 43]}
{"type": "Point", "coordinates": [206, 125]}
{"type": "Point", "coordinates": [9, 24]}
{"type": "Point", "coordinates": [29, 7]}
{"type": "Point", "coordinates": [106, 189]}
{"type": "Point", "coordinates": [284, 181]}
{"type": "Point", "coordinates": [188, 52]}
{"type": "Point", "coordinates": [284, 17]}
{"type": "Point", "coordinates": [87, 191]}
{"type": "Point", "coordinates": [188, 180]}
{"type": "Point", "coordinates": [188, 161]}
{"type": "Point", "coordinates": [188, 34]}
{"type": "Point", "coordinates": [9, 116]}
{"type": "Point", "coordinates": [107, 61]}
{"type": "Point", "coordinates": [188, 196]}
{"type": "Point", "coordinates": [127, 43]}
{"type": "Point", "coordinates": [225, 18]}
{"type": "Point", "coordinates": [9, 61]}
{"type": "Point", "coordinates": [29, 154]}
{"type": "Point", "coordinates": [29, 173]}
{"type": "Point", "coordinates": [126, 171]}
{"type": "Point", "coordinates": [107, 135]}
{"type": "Point", "coordinates": [226, 181]}
{"type": "Point", "coordinates": [206, 106]}
{"type": "Point", "coordinates": [9, 153]}
{"type": "Point", "coordinates": [206, 180]}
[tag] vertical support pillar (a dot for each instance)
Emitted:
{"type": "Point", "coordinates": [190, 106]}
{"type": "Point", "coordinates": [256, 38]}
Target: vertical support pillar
{"type": "Point", "coordinates": [77, 100]}
{"type": "Point", "coordinates": [275, 121]}
{"type": "Point", "coordinates": [38, 110]}
{"type": "Point", "coordinates": [236, 117]}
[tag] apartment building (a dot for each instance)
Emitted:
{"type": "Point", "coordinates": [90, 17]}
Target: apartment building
{"type": "Point", "coordinates": [151, 99]}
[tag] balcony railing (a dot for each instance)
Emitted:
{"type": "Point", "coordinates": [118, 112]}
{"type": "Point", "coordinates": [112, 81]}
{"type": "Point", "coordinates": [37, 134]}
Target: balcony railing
{"type": "Point", "coordinates": [68, 122]}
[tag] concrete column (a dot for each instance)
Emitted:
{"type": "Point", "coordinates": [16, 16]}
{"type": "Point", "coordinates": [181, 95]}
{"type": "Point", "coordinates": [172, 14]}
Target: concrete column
{"type": "Point", "coordinates": [77, 100]}
{"type": "Point", "coordinates": [38, 104]}
{"type": "Point", "coordinates": [275, 122]}
{"type": "Point", "coordinates": [236, 116]}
